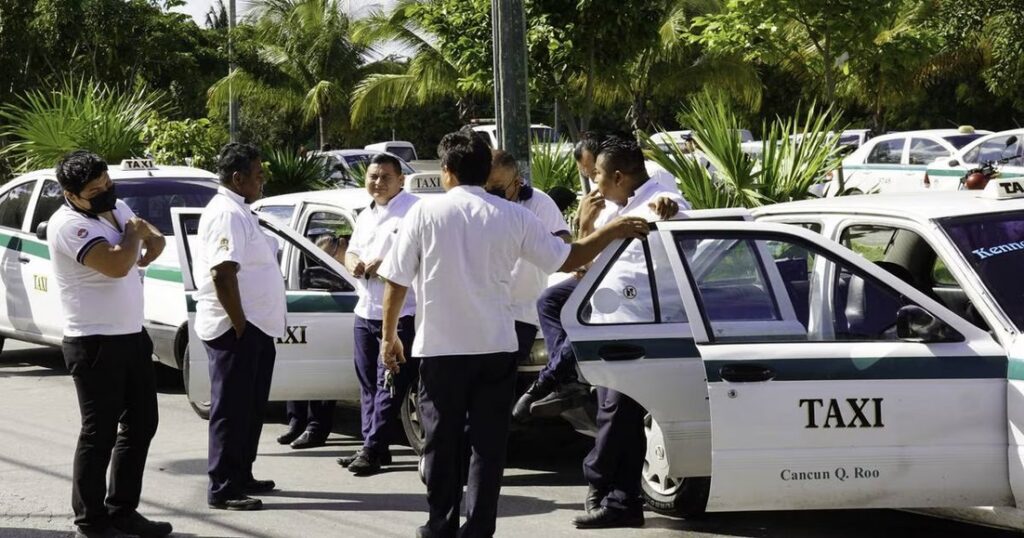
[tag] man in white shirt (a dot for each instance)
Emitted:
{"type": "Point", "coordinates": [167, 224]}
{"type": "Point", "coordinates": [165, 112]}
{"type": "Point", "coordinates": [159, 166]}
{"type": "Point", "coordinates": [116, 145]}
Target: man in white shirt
{"type": "Point", "coordinates": [240, 309]}
{"type": "Point", "coordinates": [458, 251]}
{"type": "Point", "coordinates": [98, 245]}
{"type": "Point", "coordinates": [374, 235]}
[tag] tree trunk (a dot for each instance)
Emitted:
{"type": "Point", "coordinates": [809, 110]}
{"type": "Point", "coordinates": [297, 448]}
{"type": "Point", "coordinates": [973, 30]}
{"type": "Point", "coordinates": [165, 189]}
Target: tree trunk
{"type": "Point", "coordinates": [569, 119]}
{"type": "Point", "coordinates": [321, 127]}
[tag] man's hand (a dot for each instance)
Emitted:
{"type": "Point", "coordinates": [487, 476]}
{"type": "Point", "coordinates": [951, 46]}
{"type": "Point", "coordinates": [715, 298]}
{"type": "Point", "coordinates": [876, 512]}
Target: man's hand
{"type": "Point", "coordinates": [392, 353]}
{"type": "Point", "coordinates": [628, 227]}
{"type": "Point", "coordinates": [359, 269]}
{"type": "Point", "coordinates": [664, 208]}
{"type": "Point", "coordinates": [137, 227]}
{"type": "Point", "coordinates": [370, 269]}
{"type": "Point", "coordinates": [590, 208]}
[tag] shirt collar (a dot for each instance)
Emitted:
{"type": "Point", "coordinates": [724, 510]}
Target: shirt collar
{"type": "Point", "coordinates": [235, 197]}
{"type": "Point", "coordinates": [642, 193]}
{"type": "Point", "coordinates": [474, 189]}
{"type": "Point", "coordinates": [76, 209]}
{"type": "Point", "coordinates": [394, 202]}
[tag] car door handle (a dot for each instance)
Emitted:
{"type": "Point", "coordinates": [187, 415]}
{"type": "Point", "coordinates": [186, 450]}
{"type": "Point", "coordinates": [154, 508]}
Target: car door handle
{"type": "Point", "coordinates": [746, 373]}
{"type": "Point", "coordinates": [24, 259]}
{"type": "Point", "coordinates": [621, 352]}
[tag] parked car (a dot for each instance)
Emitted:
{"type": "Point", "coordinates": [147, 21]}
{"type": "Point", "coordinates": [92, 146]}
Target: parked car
{"type": "Point", "coordinates": [32, 310]}
{"type": "Point", "coordinates": [399, 148]}
{"type": "Point", "coordinates": [346, 165]}
{"type": "Point", "coordinates": [1005, 149]}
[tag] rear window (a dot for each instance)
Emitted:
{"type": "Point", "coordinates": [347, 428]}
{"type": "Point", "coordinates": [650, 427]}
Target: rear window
{"type": "Point", "coordinates": [406, 154]}
{"type": "Point", "coordinates": [960, 141]}
{"type": "Point", "coordinates": [152, 199]}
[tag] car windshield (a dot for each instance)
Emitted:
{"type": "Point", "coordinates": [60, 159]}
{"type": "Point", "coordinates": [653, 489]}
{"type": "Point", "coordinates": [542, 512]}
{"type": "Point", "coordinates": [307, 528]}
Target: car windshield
{"type": "Point", "coordinates": [993, 245]}
{"type": "Point", "coordinates": [361, 161]}
{"type": "Point", "coordinates": [959, 141]}
{"type": "Point", "coordinates": [152, 199]}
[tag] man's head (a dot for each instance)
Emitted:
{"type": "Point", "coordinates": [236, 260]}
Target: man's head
{"type": "Point", "coordinates": [504, 180]}
{"type": "Point", "coordinates": [620, 168]}
{"type": "Point", "coordinates": [86, 183]}
{"type": "Point", "coordinates": [465, 159]}
{"type": "Point", "coordinates": [241, 170]}
{"type": "Point", "coordinates": [586, 151]}
{"type": "Point", "coordinates": [384, 178]}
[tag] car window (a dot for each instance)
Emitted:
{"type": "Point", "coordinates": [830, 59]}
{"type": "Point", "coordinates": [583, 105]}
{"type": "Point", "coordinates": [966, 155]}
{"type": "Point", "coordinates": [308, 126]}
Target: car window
{"type": "Point", "coordinates": [924, 151]}
{"type": "Point", "coordinates": [872, 242]}
{"type": "Point", "coordinates": [732, 281]}
{"type": "Point", "coordinates": [996, 149]}
{"type": "Point", "coordinates": [51, 197]}
{"type": "Point", "coordinates": [14, 205]}
{"type": "Point", "coordinates": [637, 287]}
{"type": "Point", "coordinates": [887, 152]}
{"type": "Point", "coordinates": [941, 275]}
{"type": "Point", "coordinates": [281, 212]}
{"type": "Point", "coordinates": [959, 141]}
{"type": "Point", "coordinates": [304, 270]}
{"type": "Point", "coordinates": [152, 198]}
{"type": "Point", "coordinates": [404, 153]}
{"type": "Point", "coordinates": [327, 222]}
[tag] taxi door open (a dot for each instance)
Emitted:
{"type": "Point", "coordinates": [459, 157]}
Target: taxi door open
{"type": "Point", "coordinates": [827, 381]}
{"type": "Point", "coordinates": [314, 357]}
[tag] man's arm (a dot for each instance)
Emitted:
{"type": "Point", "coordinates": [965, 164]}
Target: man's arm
{"type": "Point", "coordinates": [116, 261]}
{"type": "Point", "coordinates": [154, 243]}
{"type": "Point", "coordinates": [225, 283]}
{"type": "Point", "coordinates": [392, 353]}
{"type": "Point", "coordinates": [587, 248]}
{"type": "Point", "coordinates": [354, 265]}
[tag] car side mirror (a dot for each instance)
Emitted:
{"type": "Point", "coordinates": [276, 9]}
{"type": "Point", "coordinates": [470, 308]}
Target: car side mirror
{"type": "Point", "coordinates": [41, 230]}
{"type": "Point", "coordinates": [915, 324]}
{"type": "Point", "coordinates": [322, 278]}
{"type": "Point", "coordinates": [953, 162]}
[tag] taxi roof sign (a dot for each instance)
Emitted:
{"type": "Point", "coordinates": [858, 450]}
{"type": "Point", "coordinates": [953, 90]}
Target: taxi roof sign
{"type": "Point", "coordinates": [423, 182]}
{"type": "Point", "coordinates": [138, 164]}
{"type": "Point", "coordinates": [1004, 189]}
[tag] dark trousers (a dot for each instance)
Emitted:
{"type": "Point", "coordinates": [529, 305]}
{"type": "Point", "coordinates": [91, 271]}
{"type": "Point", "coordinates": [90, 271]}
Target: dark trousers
{"type": "Point", "coordinates": [465, 397]}
{"type": "Point", "coordinates": [616, 462]}
{"type": "Point", "coordinates": [526, 335]}
{"type": "Point", "coordinates": [379, 411]}
{"type": "Point", "coordinates": [240, 373]}
{"type": "Point", "coordinates": [316, 416]}
{"type": "Point", "coordinates": [561, 366]}
{"type": "Point", "coordinates": [113, 377]}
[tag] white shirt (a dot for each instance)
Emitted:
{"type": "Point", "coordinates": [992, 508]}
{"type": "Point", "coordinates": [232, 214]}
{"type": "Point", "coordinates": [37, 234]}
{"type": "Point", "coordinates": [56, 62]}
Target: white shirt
{"type": "Point", "coordinates": [627, 278]}
{"type": "Point", "coordinates": [658, 173]}
{"type": "Point", "coordinates": [93, 303]}
{"type": "Point", "coordinates": [375, 232]}
{"type": "Point", "coordinates": [528, 280]}
{"type": "Point", "coordinates": [230, 232]}
{"type": "Point", "coordinates": [458, 251]}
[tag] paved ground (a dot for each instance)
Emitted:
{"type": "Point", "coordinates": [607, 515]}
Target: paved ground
{"type": "Point", "coordinates": [542, 488]}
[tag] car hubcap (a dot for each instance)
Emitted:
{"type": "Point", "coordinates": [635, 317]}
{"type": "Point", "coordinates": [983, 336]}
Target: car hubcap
{"type": "Point", "coordinates": [656, 469]}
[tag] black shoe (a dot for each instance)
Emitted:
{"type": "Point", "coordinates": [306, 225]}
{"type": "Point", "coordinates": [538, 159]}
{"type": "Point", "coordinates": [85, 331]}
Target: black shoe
{"type": "Point", "coordinates": [384, 458]}
{"type": "Point", "coordinates": [366, 463]}
{"type": "Point", "coordinates": [135, 523]}
{"type": "Point", "coordinates": [593, 499]}
{"type": "Point", "coordinates": [241, 504]}
{"type": "Point", "coordinates": [309, 440]}
{"type": "Point", "coordinates": [287, 437]}
{"type": "Point", "coordinates": [109, 532]}
{"type": "Point", "coordinates": [567, 396]}
{"type": "Point", "coordinates": [610, 518]}
{"type": "Point", "coordinates": [537, 390]}
{"type": "Point", "coordinates": [259, 486]}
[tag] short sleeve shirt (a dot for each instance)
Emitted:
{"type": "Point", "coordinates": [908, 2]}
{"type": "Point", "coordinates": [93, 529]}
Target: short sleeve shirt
{"type": "Point", "coordinates": [457, 251]}
{"type": "Point", "coordinates": [93, 303]}
{"type": "Point", "coordinates": [374, 234]}
{"type": "Point", "coordinates": [528, 280]}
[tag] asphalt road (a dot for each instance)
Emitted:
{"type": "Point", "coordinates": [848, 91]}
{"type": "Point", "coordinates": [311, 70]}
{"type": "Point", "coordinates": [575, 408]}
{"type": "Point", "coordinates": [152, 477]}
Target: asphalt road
{"type": "Point", "coordinates": [543, 486]}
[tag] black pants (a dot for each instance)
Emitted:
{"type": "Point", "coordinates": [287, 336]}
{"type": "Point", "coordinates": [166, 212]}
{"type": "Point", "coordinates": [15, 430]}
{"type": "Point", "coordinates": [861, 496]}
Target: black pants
{"type": "Point", "coordinates": [240, 373]}
{"type": "Point", "coordinates": [616, 462]}
{"type": "Point", "coordinates": [465, 396]}
{"type": "Point", "coordinates": [113, 377]}
{"type": "Point", "coordinates": [381, 421]}
{"type": "Point", "coordinates": [314, 416]}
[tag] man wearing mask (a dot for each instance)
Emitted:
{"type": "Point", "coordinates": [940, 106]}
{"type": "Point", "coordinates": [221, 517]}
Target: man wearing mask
{"type": "Point", "coordinates": [374, 234]}
{"type": "Point", "coordinates": [98, 247]}
{"type": "Point", "coordinates": [240, 310]}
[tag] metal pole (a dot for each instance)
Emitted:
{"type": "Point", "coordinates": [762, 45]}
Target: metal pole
{"type": "Point", "coordinates": [232, 100]}
{"type": "Point", "coordinates": [511, 99]}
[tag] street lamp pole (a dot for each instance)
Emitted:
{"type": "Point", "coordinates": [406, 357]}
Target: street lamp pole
{"type": "Point", "coordinates": [232, 100]}
{"type": "Point", "coordinates": [511, 99]}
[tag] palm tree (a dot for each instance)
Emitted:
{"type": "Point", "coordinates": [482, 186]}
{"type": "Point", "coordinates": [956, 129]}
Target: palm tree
{"type": "Point", "coordinates": [304, 58]}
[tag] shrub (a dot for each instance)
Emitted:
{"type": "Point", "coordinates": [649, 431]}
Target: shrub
{"type": "Point", "coordinates": [189, 142]}
{"type": "Point", "coordinates": [287, 172]}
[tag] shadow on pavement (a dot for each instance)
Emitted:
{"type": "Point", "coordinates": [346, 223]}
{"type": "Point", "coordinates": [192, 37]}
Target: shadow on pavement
{"type": "Point", "coordinates": [511, 505]}
{"type": "Point", "coordinates": [10, 532]}
{"type": "Point", "coordinates": [34, 362]}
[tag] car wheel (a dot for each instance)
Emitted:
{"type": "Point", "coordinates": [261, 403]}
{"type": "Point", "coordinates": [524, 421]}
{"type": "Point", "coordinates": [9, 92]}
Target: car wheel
{"type": "Point", "coordinates": [852, 192]}
{"type": "Point", "coordinates": [666, 494]}
{"type": "Point", "coordinates": [201, 408]}
{"type": "Point", "coordinates": [2, 340]}
{"type": "Point", "coordinates": [411, 420]}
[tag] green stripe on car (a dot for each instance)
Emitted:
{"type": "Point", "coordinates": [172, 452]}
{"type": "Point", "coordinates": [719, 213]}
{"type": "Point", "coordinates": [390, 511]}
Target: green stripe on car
{"type": "Point", "coordinates": [305, 303]}
{"type": "Point", "coordinates": [847, 369]}
{"type": "Point", "coordinates": [28, 246]}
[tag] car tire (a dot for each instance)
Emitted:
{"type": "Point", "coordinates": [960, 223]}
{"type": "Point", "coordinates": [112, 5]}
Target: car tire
{"type": "Point", "coordinates": [852, 192]}
{"type": "Point", "coordinates": [2, 340]}
{"type": "Point", "coordinates": [410, 413]}
{"type": "Point", "coordinates": [201, 408]}
{"type": "Point", "coordinates": [681, 497]}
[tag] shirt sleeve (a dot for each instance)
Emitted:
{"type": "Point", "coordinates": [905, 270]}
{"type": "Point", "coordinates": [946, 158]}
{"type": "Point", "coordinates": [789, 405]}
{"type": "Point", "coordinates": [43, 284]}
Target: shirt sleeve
{"type": "Point", "coordinates": [76, 238]}
{"type": "Point", "coordinates": [402, 262]}
{"type": "Point", "coordinates": [360, 235]}
{"type": "Point", "coordinates": [549, 214]}
{"type": "Point", "coordinates": [539, 247]}
{"type": "Point", "coordinates": [225, 239]}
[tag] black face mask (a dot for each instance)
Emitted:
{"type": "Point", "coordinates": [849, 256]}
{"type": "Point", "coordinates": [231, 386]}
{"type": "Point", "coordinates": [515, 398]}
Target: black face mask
{"type": "Point", "coordinates": [525, 193]}
{"type": "Point", "coordinates": [103, 202]}
{"type": "Point", "coordinates": [500, 193]}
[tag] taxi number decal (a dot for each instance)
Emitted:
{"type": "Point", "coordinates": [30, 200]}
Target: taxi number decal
{"type": "Point", "coordinates": [295, 334]}
{"type": "Point", "coordinates": [846, 413]}
{"type": "Point", "coordinates": [39, 282]}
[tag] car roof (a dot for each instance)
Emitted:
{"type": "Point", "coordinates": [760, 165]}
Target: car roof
{"type": "Point", "coordinates": [116, 173]}
{"type": "Point", "coordinates": [916, 206]}
{"type": "Point", "coordinates": [928, 132]}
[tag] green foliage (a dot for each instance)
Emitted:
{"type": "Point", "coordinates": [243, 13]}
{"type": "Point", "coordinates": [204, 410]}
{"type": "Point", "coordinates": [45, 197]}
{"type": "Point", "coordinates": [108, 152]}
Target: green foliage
{"type": "Point", "coordinates": [553, 165]}
{"type": "Point", "coordinates": [287, 171]}
{"type": "Point", "coordinates": [191, 142]}
{"type": "Point", "coordinates": [44, 125]}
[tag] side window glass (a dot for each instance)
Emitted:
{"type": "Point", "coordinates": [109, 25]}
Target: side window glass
{"type": "Point", "coordinates": [306, 272]}
{"type": "Point", "coordinates": [941, 275]}
{"type": "Point", "coordinates": [14, 205]}
{"type": "Point", "coordinates": [625, 293]}
{"type": "Point", "coordinates": [51, 197]}
{"type": "Point", "coordinates": [924, 151]}
{"type": "Point", "coordinates": [327, 222]}
{"type": "Point", "coordinates": [280, 212]}
{"type": "Point", "coordinates": [991, 150]}
{"type": "Point", "coordinates": [887, 152]}
{"type": "Point", "coordinates": [732, 284]}
{"type": "Point", "coordinates": [872, 242]}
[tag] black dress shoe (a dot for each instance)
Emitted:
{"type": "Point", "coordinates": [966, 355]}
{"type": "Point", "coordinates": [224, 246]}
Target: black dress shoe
{"type": "Point", "coordinates": [109, 532]}
{"type": "Point", "coordinates": [287, 437]}
{"type": "Point", "coordinates": [567, 396]}
{"type": "Point", "coordinates": [309, 440]}
{"type": "Point", "coordinates": [593, 499]}
{"type": "Point", "coordinates": [345, 461]}
{"type": "Point", "coordinates": [241, 504]}
{"type": "Point", "coordinates": [538, 389]}
{"type": "Point", "coordinates": [366, 463]}
{"type": "Point", "coordinates": [135, 523]}
{"type": "Point", "coordinates": [610, 518]}
{"type": "Point", "coordinates": [259, 486]}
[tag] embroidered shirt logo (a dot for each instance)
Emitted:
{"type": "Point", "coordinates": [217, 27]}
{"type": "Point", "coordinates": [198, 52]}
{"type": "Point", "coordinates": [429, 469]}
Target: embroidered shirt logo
{"type": "Point", "coordinates": [82, 233]}
{"type": "Point", "coordinates": [223, 244]}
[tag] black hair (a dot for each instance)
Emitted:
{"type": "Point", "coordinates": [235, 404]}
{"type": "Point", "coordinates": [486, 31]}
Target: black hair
{"type": "Point", "coordinates": [465, 154]}
{"type": "Point", "coordinates": [590, 141]}
{"type": "Point", "coordinates": [381, 159]}
{"type": "Point", "coordinates": [563, 197]}
{"type": "Point", "coordinates": [622, 152]}
{"type": "Point", "coordinates": [236, 157]}
{"type": "Point", "coordinates": [78, 168]}
{"type": "Point", "coordinates": [504, 159]}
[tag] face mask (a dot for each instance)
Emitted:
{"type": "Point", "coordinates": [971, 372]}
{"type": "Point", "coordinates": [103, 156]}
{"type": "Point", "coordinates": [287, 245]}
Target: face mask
{"type": "Point", "coordinates": [500, 193]}
{"type": "Point", "coordinates": [103, 202]}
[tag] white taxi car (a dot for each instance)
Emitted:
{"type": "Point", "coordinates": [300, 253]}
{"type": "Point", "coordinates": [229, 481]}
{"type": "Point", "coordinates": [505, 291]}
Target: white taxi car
{"type": "Point", "coordinates": [1006, 148]}
{"type": "Point", "coordinates": [896, 162]}
{"type": "Point", "coordinates": [32, 311]}
{"type": "Point", "coordinates": [803, 376]}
